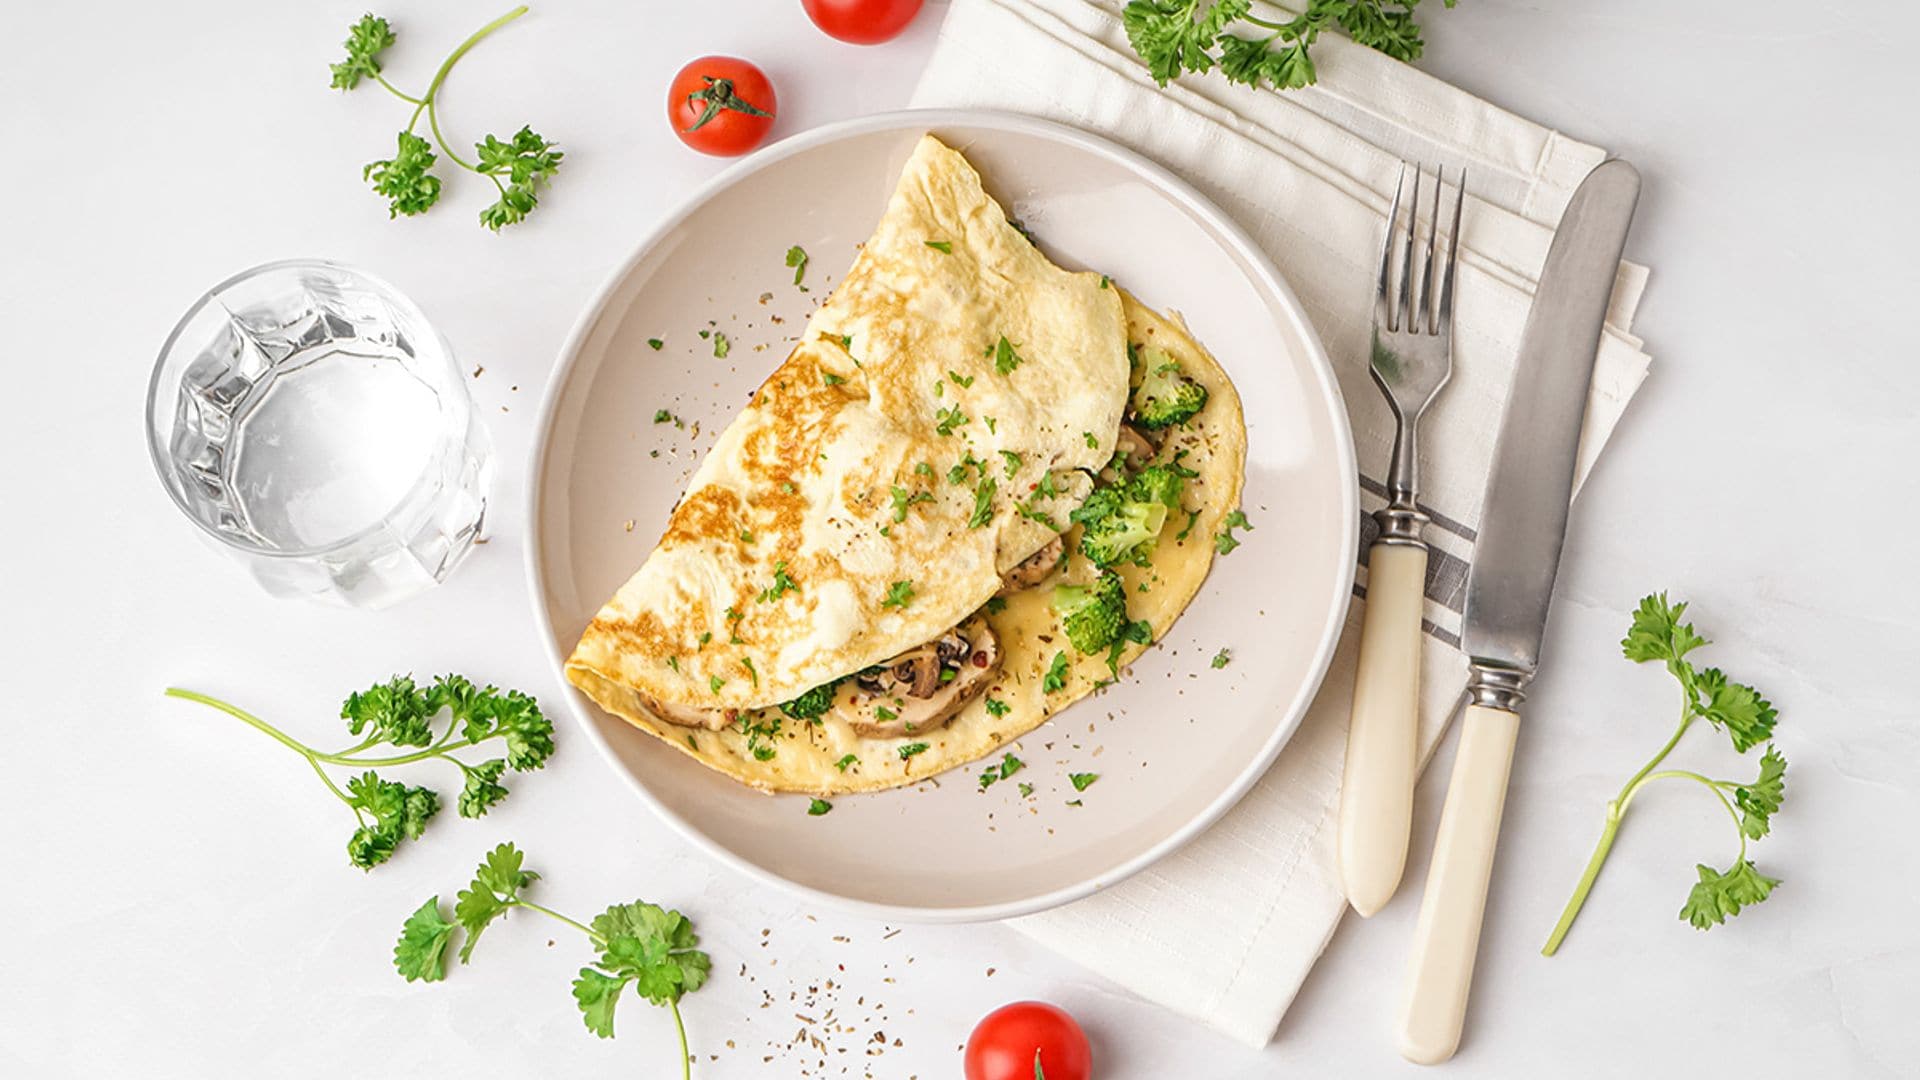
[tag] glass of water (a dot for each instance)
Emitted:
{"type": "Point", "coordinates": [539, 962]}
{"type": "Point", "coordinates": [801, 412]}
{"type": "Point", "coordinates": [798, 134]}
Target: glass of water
{"type": "Point", "coordinates": [308, 419]}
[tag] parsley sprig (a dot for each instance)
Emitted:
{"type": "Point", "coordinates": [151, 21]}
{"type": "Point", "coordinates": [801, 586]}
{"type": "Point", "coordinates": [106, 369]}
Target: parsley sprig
{"type": "Point", "coordinates": [1748, 719]}
{"type": "Point", "coordinates": [1176, 36]}
{"type": "Point", "coordinates": [517, 166]}
{"type": "Point", "coordinates": [640, 945]}
{"type": "Point", "coordinates": [403, 716]}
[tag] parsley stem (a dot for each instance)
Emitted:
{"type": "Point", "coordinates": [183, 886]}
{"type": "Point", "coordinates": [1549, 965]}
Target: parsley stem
{"type": "Point", "coordinates": [382, 80]}
{"type": "Point", "coordinates": [550, 913]}
{"type": "Point", "coordinates": [426, 100]}
{"type": "Point", "coordinates": [686, 1062]}
{"type": "Point", "coordinates": [279, 736]}
{"type": "Point", "coordinates": [437, 750]}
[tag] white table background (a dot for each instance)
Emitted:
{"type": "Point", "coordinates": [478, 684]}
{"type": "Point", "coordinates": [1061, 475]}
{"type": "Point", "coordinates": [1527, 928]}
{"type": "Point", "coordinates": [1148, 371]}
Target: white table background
{"type": "Point", "coordinates": [178, 904]}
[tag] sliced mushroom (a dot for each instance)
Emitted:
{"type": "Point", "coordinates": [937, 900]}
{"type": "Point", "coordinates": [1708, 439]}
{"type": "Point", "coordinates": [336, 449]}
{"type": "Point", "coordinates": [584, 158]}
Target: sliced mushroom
{"type": "Point", "coordinates": [969, 652]}
{"type": "Point", "coordinates": [689, 716]}
{"type": "Point", "coordinates": [1136, 447]}
{"type": "Point", "coordinates": [919, 674]}
{"type": "Point", "coordinates": [1033, 569]}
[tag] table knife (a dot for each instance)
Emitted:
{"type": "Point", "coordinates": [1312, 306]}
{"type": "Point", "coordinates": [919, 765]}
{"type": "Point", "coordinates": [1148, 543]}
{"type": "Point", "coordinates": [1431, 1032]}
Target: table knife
{"type": "Point", "coordinates": [1516, 556]}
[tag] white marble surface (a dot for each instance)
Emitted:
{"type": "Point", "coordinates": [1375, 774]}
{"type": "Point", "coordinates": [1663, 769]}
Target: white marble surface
{"type": "Point", "coordinates": [178, 906]}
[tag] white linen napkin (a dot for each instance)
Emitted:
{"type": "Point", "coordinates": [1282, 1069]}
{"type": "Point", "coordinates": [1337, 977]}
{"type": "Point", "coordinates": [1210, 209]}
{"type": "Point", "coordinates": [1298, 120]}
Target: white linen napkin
{"type": "Point", "coordinates": [1309, 173]}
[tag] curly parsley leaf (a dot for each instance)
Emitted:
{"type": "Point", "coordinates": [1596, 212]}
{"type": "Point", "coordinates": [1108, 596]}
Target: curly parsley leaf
{"type": "Point", "coordinates": [402, 715]}
{"type": "Point", "coordinates": [1174, 37]}
{"type": "Point", "coordinates": [517, 166]}
{"type": "Point", "coordinates": [366, 40]}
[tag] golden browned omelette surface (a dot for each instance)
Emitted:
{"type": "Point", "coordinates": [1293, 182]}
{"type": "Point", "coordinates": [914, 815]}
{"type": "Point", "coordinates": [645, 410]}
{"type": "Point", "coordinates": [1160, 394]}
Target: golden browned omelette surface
{"type": "Point", "coordinates": [865, 501]}
{"type": "Point", "coordinates": [827, 757]}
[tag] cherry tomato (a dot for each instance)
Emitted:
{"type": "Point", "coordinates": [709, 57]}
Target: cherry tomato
{"type": "Point", "coordinates": [721, 105]}
{"type": "Point", "coordinates": [862, 22]}
{"type": "Point", "coordinates": [1025, 1040]}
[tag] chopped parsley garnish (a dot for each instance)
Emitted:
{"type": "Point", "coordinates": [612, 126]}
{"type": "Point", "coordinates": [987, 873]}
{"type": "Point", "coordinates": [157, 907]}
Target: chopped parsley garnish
{"type": "Point", "coordinates": [1005, 359]}
{"type": "Point", "coordinates": [656, 344]}
{"type": "Point", "coordinates": [964, 382]}
{"type": "Point", "coordinates": [705, 636]}
{"type": "Point", "coordinates": [1105, 282]}
{"type": "Point", "coordinates": [752, 672]}
{"type": "Point", "coordinates": [1139, 632]}
{"type": "Point", "coordinates": [885, 713]}
{"type": "Point", "coordinates": [996, 707]}
{"type": "Point", "coordinates": [846, 342]}
{"type": "Point", "coordinates": [944, 247]}
{"type": "Point", "coordinates": [958, 474]}
{"type": "Point", "coordinates": [828, 378]}
{"type": "Point", "coordinates": [1092, 442]}
{"type": "Point", "coordinates": [1046, 486]}
{"type": "Point", "coordinates": [721, 346]}
{"type": "Point", "coordinates": [1223, 541]}
{"type": "Point", "coordinates": [902, 499]}
{"type": "Point", "coordinates": [995, 606]}
{"type": "Point", "coordinates": [746, 536]}
{"type": "Point", "coordinates": [1192, 516]}
{"type": "Point", "coordinates": [1027, 510]}
{"type": "Point", "coordinates": [1222, 658]}
{"type": "Point", "coordinates": [797, 258]}
{"type": "Point", "coordinates": [899, 595]}
{"type": "Point", "coordinates": [1055, 679]}
{"type": "Point", "coordinates": [817, 806]}
{"type": "Point", "coordinates": [993, 425]}
{"type": "Point", "coordinates": [996, 773]}
{"type": "Point", "coordinates": [788, 487]}
{"type": "Point", "coordinates": [845, 761]}
{"type": "Point", "coordinates": [923, 469]}
{"type": "Point", "coordinates": [715, 682]}
{"type": "Point", "coordinates": [949, 418]}
{"type": "Point", "coordinates": [1081, 781]}
{"type": "Point", "coordinates": [674, 663]}
{"type": "Point", "coordinates": [705, 334]}
{"type": "Point", "coordinates": [911, 749]}
{"type": "Point", "coordinates": [662, 416]}
{"type": "Point", "coordinates": [782, 584]}
{"type": "Point", "coordinates": [940, 390]}
{"type": "Point", "coordinates": [1014, 461]}
{"type": "Point", "coordinates": [1026, 791]}
{"type": "Point", "coordinates": [983, 503]}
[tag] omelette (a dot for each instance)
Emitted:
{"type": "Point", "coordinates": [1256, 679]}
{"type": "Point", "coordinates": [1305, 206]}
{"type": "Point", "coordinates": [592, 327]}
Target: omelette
{"type": "Point", "coordinates": [978, 486]}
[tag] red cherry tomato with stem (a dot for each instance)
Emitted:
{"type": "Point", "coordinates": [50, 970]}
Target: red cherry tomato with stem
{"type": "Point", "coordinates": [1028, 1040]}
{"type": "Point", "coordinates": [862, 22]}
{"type": "Point", "coordinates": [721, 105]}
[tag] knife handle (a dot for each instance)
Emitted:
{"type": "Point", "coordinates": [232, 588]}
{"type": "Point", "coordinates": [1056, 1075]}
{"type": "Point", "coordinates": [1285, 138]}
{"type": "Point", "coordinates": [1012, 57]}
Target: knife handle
{"type": "Point", "coordinates": [1448, 933]}
{"type": "Point", "coordinates": [1376, 794]}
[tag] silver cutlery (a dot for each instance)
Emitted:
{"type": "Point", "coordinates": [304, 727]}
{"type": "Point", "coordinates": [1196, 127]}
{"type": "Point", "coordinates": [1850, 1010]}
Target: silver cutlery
{"type": "Point", "coordinates": [1509, 589]}
{"type": "Point", "coordinates": [1412, 358]}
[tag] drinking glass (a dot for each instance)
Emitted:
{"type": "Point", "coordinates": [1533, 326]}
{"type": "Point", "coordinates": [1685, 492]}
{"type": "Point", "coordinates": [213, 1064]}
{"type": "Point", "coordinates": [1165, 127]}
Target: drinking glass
{"type": "Point", "coordinates": [309, 420]}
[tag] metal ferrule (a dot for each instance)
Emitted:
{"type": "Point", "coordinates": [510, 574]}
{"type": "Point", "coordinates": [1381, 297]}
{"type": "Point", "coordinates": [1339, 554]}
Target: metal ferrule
{"type": "Point", "coordinates": [1400, 525]}
{"type": "Point", "coordinates": [1495, 687]}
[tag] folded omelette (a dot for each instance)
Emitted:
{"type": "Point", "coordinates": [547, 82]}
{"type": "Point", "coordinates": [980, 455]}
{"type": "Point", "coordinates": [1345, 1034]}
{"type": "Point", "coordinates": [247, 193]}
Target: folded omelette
{"type": "Point", "coordinates": [977, 487]}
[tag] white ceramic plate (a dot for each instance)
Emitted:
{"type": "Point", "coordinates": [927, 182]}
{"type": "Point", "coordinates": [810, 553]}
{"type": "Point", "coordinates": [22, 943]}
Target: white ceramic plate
{"type": "Point", "coordinates": [1177, 742]}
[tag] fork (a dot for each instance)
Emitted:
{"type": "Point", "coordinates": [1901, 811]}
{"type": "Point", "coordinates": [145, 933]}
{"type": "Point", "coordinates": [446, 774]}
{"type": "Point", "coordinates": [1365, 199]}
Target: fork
{"type": "Point", "coordinates": [1412, 357]}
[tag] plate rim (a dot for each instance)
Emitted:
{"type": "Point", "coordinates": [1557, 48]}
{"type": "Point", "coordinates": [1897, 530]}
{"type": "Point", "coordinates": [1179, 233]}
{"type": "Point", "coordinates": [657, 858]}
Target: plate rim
{"type": "Point", "coordinates": [1183, 193]}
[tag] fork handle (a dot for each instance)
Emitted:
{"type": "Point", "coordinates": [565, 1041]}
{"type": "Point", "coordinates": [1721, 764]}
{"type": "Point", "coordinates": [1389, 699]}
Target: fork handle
{"type": "Point", "coordinates": [1376, 794]}
{"type": "Point", "coordinates": [1447, 937]}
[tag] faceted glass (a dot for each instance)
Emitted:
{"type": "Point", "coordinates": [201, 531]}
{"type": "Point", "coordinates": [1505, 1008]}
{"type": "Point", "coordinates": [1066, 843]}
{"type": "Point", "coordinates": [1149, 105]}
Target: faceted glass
{"type": "Point", "coordinates": [307, 417]}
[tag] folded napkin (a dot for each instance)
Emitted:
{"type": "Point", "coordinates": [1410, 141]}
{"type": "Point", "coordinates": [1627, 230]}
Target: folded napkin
{"type": "Point", "coordinates": [1309, 173]}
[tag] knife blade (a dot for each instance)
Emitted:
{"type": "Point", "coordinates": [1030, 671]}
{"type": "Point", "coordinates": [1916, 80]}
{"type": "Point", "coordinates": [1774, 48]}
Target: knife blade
{"type": "Point", "coordinates": [1523, 523]}
{"type": "Point", "coordinates": [1523, 519]}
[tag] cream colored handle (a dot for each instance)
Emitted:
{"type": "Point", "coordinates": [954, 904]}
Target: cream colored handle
{"type": "Point", "coordinates": [1376, 795]}
{"type": "Point", "coordinates": [1448, 933]}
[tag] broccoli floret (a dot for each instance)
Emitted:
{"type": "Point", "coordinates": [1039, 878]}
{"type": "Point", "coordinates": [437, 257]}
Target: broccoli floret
{"type": "Point", "coordinates": [1165, 396]}
{"type": "Point", "coordinates": [1158, 483]}
{"type": "Point", "coordinates": [1116, 527]}
{"type": "Point", "coordinates": [813, 704]}
{"type": "Point", "coordinates": [1120, 522]}
{"type": "Point", "coordinates": [1094, 615]}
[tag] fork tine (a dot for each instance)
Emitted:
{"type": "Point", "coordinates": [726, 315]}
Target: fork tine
{"type": "Point", "coordinates": [1425, 322]}
{"type": "Point", "coordinates": [1405, 306]}
{"type": "Point", "coordinates": [1453, 255]}
{"type": "Point", "coordinates": [1381, 312]}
